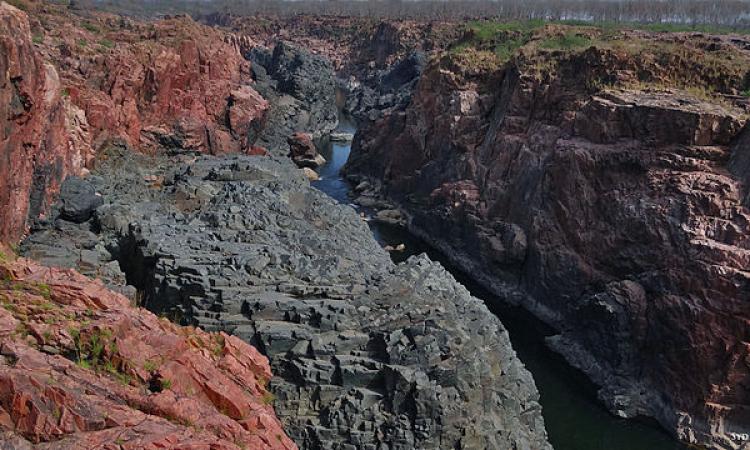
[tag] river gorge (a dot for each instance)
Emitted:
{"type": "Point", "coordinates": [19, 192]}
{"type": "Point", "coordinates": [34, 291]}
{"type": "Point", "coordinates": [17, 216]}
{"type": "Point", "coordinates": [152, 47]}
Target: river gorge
{"type": "Point", "coordinates": [574, 418]}
{"type": "Point", "coordinates": [355, 233]}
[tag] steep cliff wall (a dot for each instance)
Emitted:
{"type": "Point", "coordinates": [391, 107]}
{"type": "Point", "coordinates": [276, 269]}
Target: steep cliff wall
{"type": "Point", "coordinates": [575, 183]}
{"type": "Point", "coordinates": [43, 136]}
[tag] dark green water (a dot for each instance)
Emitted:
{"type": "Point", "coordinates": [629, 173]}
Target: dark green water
{"type": "Point", "coordinates": [574, 418]}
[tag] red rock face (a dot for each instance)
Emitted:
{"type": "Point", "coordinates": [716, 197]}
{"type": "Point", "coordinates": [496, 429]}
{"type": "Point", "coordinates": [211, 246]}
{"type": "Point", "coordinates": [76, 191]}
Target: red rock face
{"type": "Point", "coordinates": [80, 85]}
{"type": "Point", "coordinates": [177, 82]}
{"type": "Point", "coordinates": [43, 136]}
{"type": "Point", "coordinates": [612, 215]}
{"type": "Point", "coordinates": [82, 368]}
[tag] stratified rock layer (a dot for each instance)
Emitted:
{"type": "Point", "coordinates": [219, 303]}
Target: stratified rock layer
{"type": "Point", "coordinates": [609, 213]}
{"type": "Point", "coordinates": [367, 354]}
{"type": "Point", "coordinates": [81, 368]}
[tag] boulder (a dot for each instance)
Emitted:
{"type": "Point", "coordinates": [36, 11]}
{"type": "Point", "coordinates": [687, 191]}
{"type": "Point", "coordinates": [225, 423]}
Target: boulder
{"type": "Point", "coordinates": [303, 152]}
{"type": "Point", "coordinates": [78, 200]}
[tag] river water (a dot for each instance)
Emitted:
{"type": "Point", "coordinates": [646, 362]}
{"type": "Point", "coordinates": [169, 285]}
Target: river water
{"type": "Point", "coordinates": [574, 418]}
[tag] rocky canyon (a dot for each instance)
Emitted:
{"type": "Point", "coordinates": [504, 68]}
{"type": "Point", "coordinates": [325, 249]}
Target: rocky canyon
{"type": "Point", "coordinates": [175, 271]}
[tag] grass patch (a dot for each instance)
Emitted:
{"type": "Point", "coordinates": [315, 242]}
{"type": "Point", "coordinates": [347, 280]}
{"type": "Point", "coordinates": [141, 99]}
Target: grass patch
{"type": "Point", "coordinates": [20, 4]}
{"type": "Point", "coordinates": [83, 43]}
{"type": "Point", "coordinates": [106, 43]}
{"type": "Point", "coordinates": [37, 38]}
{"type": "Point", "coordinates": [150, 366]}
{"type": "Point", "coordinates": [746, 93]}
{"type": "Point", "coordinates": [91, 27]}
{"type": "Point", "coordinates": [268, 398]}
{"type": "Point", "coordinates": [503, 39]}
{"type": "Point", "coordinates": [567, 41]}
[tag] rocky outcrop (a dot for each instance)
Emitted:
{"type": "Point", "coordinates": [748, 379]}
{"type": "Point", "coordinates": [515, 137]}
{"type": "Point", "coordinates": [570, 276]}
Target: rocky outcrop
{"type": "Point", "coordinates": [43, 136]}
{"type": "Point", "coordinates": [609, 212]}
{"type": "Point", "coordinates": [82, 368]}
{"type": "Point", "coordinates": [392, 90]}
{"type": "Point", "coordinates": [302, 91]}
{"type": "Point", "coordinates": [170, 82]}
{"type": "Point", "coordinates": [366, 354]}
{"type": "Point", "coordinates": [80, 84]}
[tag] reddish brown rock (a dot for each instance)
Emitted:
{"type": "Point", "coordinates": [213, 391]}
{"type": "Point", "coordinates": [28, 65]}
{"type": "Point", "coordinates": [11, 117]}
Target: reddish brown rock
{"type": "Point", "coordinates": [43, 136]}
{"type": "Point", "coordinates": [303, 152]}
{"type": "Point", "coordinates": [180, 78]}
{"type": "Point", "coordinates": [82, 368]}
{"type": "Point", "coordinates": [610, 213]}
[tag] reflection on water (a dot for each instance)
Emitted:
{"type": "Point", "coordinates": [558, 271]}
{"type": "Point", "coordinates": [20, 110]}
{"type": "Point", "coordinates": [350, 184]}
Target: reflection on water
{"type": "Point", "coordinates": [574, 419]}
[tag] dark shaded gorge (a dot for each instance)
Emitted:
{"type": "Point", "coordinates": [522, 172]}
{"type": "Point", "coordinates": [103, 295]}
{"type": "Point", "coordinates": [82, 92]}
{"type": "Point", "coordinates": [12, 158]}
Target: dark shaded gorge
{"type": "Point", "coordinates": [574, 418]}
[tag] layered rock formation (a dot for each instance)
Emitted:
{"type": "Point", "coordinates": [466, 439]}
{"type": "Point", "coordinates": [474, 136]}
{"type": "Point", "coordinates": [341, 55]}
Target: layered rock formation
{"type": "Point", "coordinates": [82, 368]}
{"type": "Point", "coordinates": [565, 184]}
{"type": "Point", "coordinates": [43, 136]}
{"type": "Point", "coordinates": [366, 354]}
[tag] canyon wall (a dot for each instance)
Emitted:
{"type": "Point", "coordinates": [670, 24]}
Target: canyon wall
{"type": "Point", "coordinates": [615, 211]}
{"type": "Point", "coordinates": [43, 136]}
{"type": "Point", "coordinates": [70, 85]}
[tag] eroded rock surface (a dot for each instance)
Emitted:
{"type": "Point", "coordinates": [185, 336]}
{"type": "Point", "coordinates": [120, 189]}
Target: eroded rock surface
{"type": "Point", "coordinates": [366, 354]}
{"type": "Point", "coordinates": [43, 136]}
{"type": "Point", "coordinates": [82, 368]}
{"type": "Point", "coordinates": [610, 213]}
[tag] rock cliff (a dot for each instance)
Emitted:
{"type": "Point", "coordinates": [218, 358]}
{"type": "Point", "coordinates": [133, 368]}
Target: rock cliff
{"type": "Point", "coordinates": [43, 136]}
{"type": "Point", "coordinates": [576, 183]}
{"type": "Point", "coordinates": [71, 84]}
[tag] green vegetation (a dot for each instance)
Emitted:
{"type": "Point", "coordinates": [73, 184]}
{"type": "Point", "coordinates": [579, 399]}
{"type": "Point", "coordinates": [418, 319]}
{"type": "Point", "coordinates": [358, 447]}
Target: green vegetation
{"type": "Point", "coordinates": [95, 350]}
{"type": "Point", "coordinates": [45, 291]}
{"type": "Point", "coordinates": [166, 384]}
{"type": "Point", "coordinates": [65, 92]}
{"type": "Point", "coordinates": [20, 4]}
{"type": "Point", "coordinates": [83, 43]}
{"type": "Point", "coordinates": [268, 398]}
{"type": "Point", "coordinates": [150, 365]}
{"type": "Point", "coordinates": [106, 43]}
{"type": "Point", "coordinates": [567, 41]}
{"type": "Point", "coordinates": [503, 39]}
{"type": "Point", "coordinates": [37, 38]}
{"type": "Point", "coordinates": [487, 30]}
{"type": "Point", "coordinates": [746, 92]}
{"type": "Point", "coordinates": [91, 27]}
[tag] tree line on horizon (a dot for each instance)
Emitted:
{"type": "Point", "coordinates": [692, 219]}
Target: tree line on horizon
{"type": "Point", "coordinates": [734, 14]}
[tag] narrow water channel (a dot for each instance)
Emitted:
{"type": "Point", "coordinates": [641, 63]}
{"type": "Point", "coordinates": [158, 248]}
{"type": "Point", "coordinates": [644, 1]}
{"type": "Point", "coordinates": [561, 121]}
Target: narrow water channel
{"type": "Point", "coordinates": [574, 418]}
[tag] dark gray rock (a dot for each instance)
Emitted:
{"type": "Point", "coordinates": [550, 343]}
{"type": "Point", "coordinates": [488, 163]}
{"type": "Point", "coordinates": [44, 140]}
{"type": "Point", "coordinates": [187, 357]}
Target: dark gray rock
{"type": "Point", "coordinates": [79, 200]}
{"type": "Point", "coordinates": [301, 89]}
{"type": "Point", "coordinates": [403, 72]}
{"type": "Point", "coordinates": [391, 90]}
{"type": "Point", "coordinates": [366, 354]}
